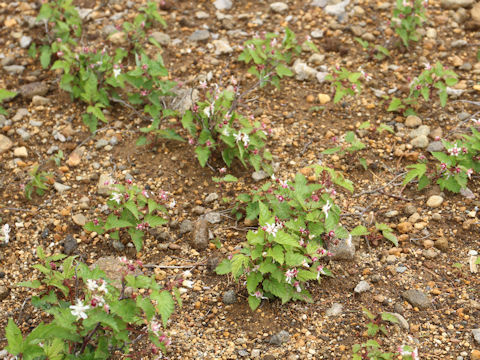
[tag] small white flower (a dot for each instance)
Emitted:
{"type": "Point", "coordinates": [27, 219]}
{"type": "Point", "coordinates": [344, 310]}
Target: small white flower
{"type": "Point", "coordinates": [116, 197]}
{"type": "Point", "coordinates": [116, 72]}
{"type": "Point", "coordinates": [6, 233]}
{"type": "Point", "coordinates": [237, 137]}
{"type": "Point", "coordinates": [100, 300]}
{"type": "Point", "coordinates": [103, 287]}
{"type": "Point", "coordinates": [92, 285]}
{"type": "Point", "coordinates": [326, 208]}
{"type": "Point", "coordinates": [172, 204]}
{"type": "Point", "coordinates": [246, 140]}
{"type": "Point", "coordinates": [79, 309]}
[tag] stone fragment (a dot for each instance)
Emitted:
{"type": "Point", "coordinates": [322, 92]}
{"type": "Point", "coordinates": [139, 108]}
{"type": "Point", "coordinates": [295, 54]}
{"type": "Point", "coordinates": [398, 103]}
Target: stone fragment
{"type": "Point", "coordinates": [105, 184]}
{"type": "Point", "coordinates": [199, 35]}
{"type": "Point", "coordinates": [259, 175]}
{"type": "Point", "coordinates": [417, 298]}
{"type": "Point", "coordinates": [79, 219]}
{"type": "Point", "coordinates": [20, 114]}
{"type": "Point", "coordinates": [475, 12]}
{"type": "Point", "coordinates": [38, 100]}
{"type": "Point", "coordinates": [404, 227]}
{"type": "Point", "coordinates": [278, 7]}
{"type": "Point", "coordinates": [476, 335]}
{"type": "Point", "coordinates": [229, 297]}
{"type": "Point", "coordinates": [223, 4]}
{"type": "Point", "coordinates": [279, 338]}
{"type": "Point", "coordinates": [211, 197]}
{"type": "Point", "coordinates": [413, 121]}
{"type": "Point", "coordinates": [323, 98]}
{"type": "Point", "coordinates": [75, 158]}
{"type": "Point", "coordinates": [60, 187]}
{"type": "Point", "coordinates": [118, 38]}
{"type": "Point", "coordinates": [434, 201]}
{"type": "Point", "coordinates": [456, 4]}
{"type": "Point", "coordinates": [69, 245]}
{"type": "Point", "coordinates": [303, 71]}
{"type": "Point", "coordinates": [161, 38]}
{"type": "Point", "coordinates": [14, 69]}
{"type": "Point", "coordinates": [185, 227]}
{"type": "Point", "coordinates": [213, 217]}
{"type": "Point", "coordinates": [420, 142]}
{"type": "Point", "coordinates": [200, 234]}
{"type": "Point", "coordinates": [5, 143]}
{"type": "Point", "coordinates": [334, 310]}
{"type": "Point", "coordinates": [344, 249]}
{"type": "Point", "coordinates": [441, 244]}
{"type": "Point", "coordinates": [113, 269]}
{"type": "Point", "coordinates": [361, 287]}
{"type": "Point", "coordinates": [25, 41]}
{"type": "Point", "coordinates": [222, 47]}
{"type": "Point", "coordinates": [4, 292]}
{"type": "Point", "coordinates": [20, 152]}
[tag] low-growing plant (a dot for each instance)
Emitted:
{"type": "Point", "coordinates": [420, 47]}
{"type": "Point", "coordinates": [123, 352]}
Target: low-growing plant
{"type": "Point", "coordinates": [5, 95]}
{"type": "Point", "coordinates": [296, 221]}
{"type": "Point", "coordinates": [380, 229]}
{"type": "Point", "coordinates": [91, 316]}
{"type": "Point", "coordinates": [271, 57]}
{"type": "Point", "coordinates": [376, 51]}
{"type": "Point", "coordinates": [58, 157]}
{"type": "Point", "coordinates": [39, 182]}
{"type": "Point", "coordinates": [346, 82]}
{"type": "Point", "coordinates": [407, 17]}
{"type": "Point", "coordinates": [432, 77]}
{"type": "Point", "coordinates": [134, 211]}
{"type": "Point", "coordinates": [349, 143]}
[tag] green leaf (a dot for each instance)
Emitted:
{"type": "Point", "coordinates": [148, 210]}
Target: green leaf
{"type": "Point", "coordinates": [35, 284]}
{"type": "Point", "coordinates": [239, 263]}
{"type": "Point", "coordinates": [132, 207]}
{"type": "Point", "coordinates": [331, 150]}
{"type": "Point", "coordinates": [282, 70]}
{"type": "Point", "coordinates": [155, 221]}
{"type": "Point", "coordinates": [170, 135]}
{"type": "Point", "coordinates": [95, 111]}
{"type": "Point", "coordinates": [359, 230]}
{"type": "Point", "coordinates": [395, 104]}
{"type": "Point", "coordinates": [226, 178]}
{"type": "Point", "coordinates": [225, 267]}
{"type": "Point", "coordinates": [5, 94]}
{"type": "Point", "coordinates": [294, 259]}
{"type": "Point", "coordinates": [203, 153]}
{"type": "Point", "coordinates": [114, 222]}
{"type": "Point", "coordinates": [390, 318]}
{"type": "Point", "coordinates": [254, 302]}
{"type": "Point", "coordinates": [253, 279]}
{"type": "Point", "coordinates": [45, 55]}
{"type": "Point", "coordinates": [417, 170]}
{"type": "Point", "coordinates": [277, 253]}
{"type": "Point", "coordinates": [142, 140]}
{"type": "Point", "coordinates": [285, 239]}
{"type": "Point", "coordinates": [14, 338]}
{"type": "Point", "coordinates": [165, 305]}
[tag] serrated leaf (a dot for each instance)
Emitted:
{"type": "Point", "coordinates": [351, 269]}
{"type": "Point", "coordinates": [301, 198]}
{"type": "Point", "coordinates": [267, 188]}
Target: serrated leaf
{"type": "Point", "coordinates": [282, 70]}
{"type": "Point", "coordinates": [154, 221]}
{"type": "Point", "coordinates": [253, 279]}
{"type": "Point", "coordinates": [35, 284]}
{"type": "Point", "coordinates": [390, 318]}
{"type": "Point", "coordinates": [277, 253]}
{"type": "Point", "coordinates": [294, 259]}
{"type": "Point", "coordinates": [254, 302]}
{"type": "Point", "coordinates": [132, 207]}
{"type": "Point", "coordinates": [203, 153]}
{"type": "Point", "coordinates": [165, 306]}
{"type": "Point", "coordinates": [14, 338]}
{"type": "Point", "coordinates": [225, 267]}
{"type": "Point", "coordinates": [285, 239]}
{"type": "Point", "coordinates": [359, 230]}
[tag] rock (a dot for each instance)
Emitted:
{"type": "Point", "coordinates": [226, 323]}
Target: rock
{"type": "Point", "coordinates": [75, 158]}
{"type": "Point", "coordinates": [38, 100]}
{"type": "Point", "coordinates": [212, 262]}
{"type": "Point", "coordinates": [20, 114]}
{"type": "Point", "coordinates": [303, 71]}
{"type": "Point", "coordinates": [114, 269]}
{"type": "Point", "coordinates": [118, 38]}
{"type": "Point", "coordinates": [199, 35]}
{"type": "Point", "coordinates": [279, 338]}
{"type": "Point", "coordinates": [69, 245]}
{"type": "Point", "coordinates": [442, 244]}
{"type": "Point", "coordinates": [322, 76]}
{"type": "Point", "coordinates": [211, 197]}
{"type": "Point", "coordinates": [60, 187]}
{"type": "Point", "coordinates": [183, 100]}
{"type": "Point", "coordinates": [229, 297]}
{"type": "Point", "coordinates": [403, 322]}
{"type": "Point", "coordinates": [417, 298]}
{"type": "Point", "coordinates": [434, 201]}
{"type": "Point", "coordinates": [243, 353]}
{"type": "Point", "coordinates": [361, 287]}
{"type": "Point", "coordinates": [344, 249]}
{"type": "Point", "coordinates": [278, 7]}
{"type": "Point", "coordinates": [201, 15]}
{"type": "Point", "coordinates": [323, 98]}
{"type": "Point", "coordinates": [391, 213]}
{"type": "Point", "coordinates": [20, 152]}
{"type": "Point", "coordinates": [101, 143]}
{"type": "Point", "coordinates": [398, 308]}
{"type": "Point", "coordinates": [185, 227]}
{"type": "Point", "coordinates": [213, 217]}
{"type": "Point", "coordinates": [222, 47]}
{"type": "Point", "coordinates": [161, 38]}
{"type": "Point", "coordinates": [259, 175]}
{"type": "Point", "coordinates": [319, 3]}
{"type": "Point", "coordinates": [458, 43]}
{"type": "Point", "coordinates": [334, 310]}
{"type": "Point", "coordinates": [475, 355]}
{"type": "Point", "coordinates": [430, 253]}
{"type": "Point", "coordinates": [105, 185]}
{"type": "Point", "coordinates": [255, 353]}
{"type": "Point", "coordinates": [337, 10]}
{"type": "Point", "coordinates": [25, 41]}
{"type": "Point", "coordinates": [475, 12]}
{"type": "Point", "coordinates": [316, 59]}
{"type": "Point", "coordinates": [476, 335]}
{"type": "Point", "coordinates": [420, 142]}
{"type": "Point", "coordinates": [456, 4]}
{"type": "Point", "coordinates": [14, 69]}
{"type": "Point", "coordinates": [118, 245]}
{"type": "Point", "coordinates": [317, 33]}
{"type": "Point", "coordinates": [404, 227]}
{"type": "Point", "coordinates": [413, 121]}
{"type": "Point", "coordinates": [79, 219]}
{"type": "Point", "coordinates": [467, 193]}
{"type": "Point", "coordinates": [200, 234]}
{"type": "Point", "coordinates": [435, 146]}
{"type": "Point", "coordinates": [421, 130]}
{"type": "Point", "coordinates": [198, 210]}
{"type": "Point", "coordinates": [223, 4]}
{"type": "Point", "coordinates": [4, 292]}
{"type": "Point", "coordinates": [25, 135]}
{"type": "Point", "coordinates": [5, 143]}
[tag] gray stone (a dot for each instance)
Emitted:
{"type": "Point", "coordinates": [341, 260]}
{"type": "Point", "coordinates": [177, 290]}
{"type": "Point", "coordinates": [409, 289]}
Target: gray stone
{"type": "Point", "coordinates": [24, 134]}
{"type": "Point", "coordinates": [213, 217]}
{"type": "Point", "coordinates": [279, 338]}
{"type": "Point", "coordinates": [202, 15]}
{"type": "Point", "coordinates": [60, 187]}
{"type": "Point", "coordinates": [243, 353]}
{"type": "Point", "coordinates": [456, 4]}
{"type": "Point", "coordinates": [14, 69]}
{"type": "Point", "coordinates": [334, 310]}
{"type": "Point", "coordinates": [319, 3]}
{"type": "Point", "coordinates": [223, 4]}
{"type": "Point", "coordinates": [421, 130]}
{"type": "Point", "coordinates": [199, 35]}
{"type": "Point", "coordinates": [69, 245]}
{"type": "Point", "coordinates": [105, 184]}
{"type": "Point", "coordinates": [391, 213]}
{"type": "Point", "coordinates": [40, 100]}
{"type": "Point", "coordinates": [211, 197]}
{"type": "Point", "coordinates": [322, 76]}
{"type": "Point", "coordinates": [161, 38]}
{"type": "Point", "coordinates": [118, 245]}
{"type": "Point", "coordinates": [185, 227]}
{"type": "Point", "coordinates": [278, 7]}
{"type": "Point", "coordinates": [303, 71]}
{"type": "Point", "coordinates": [79, 219]}
{"type": "Point", "coordinates": [420, 141]}
{"type": "Point", "coordinates": [5, 143]}
{"type": "Point", "coordinates": [183, 100]}
{"type": "Point", "coordinates": [398, 308]}
{"type": "Point", "coordinates": [337, 10]}
{"type": "Point", "coordinates": [430, 253]}
{"type": "Point", "coordinates": [434, 201]}
{"type": "Point", "coordinates": [343, 249]}
{"type": "Point", "coordinates": [458, 43]}
{"type": "Point", "coordinates": [222, 47]}
{"type": "Point", "coordinates": [361, 287]}
{"type": "Point", "coordinates": [25, 41]}
{"type": "Point", "coordinates": [317, 34]}
{"type": "Point", "coordinates": [316, 59]}
{"type": "Point", "coordinates": [8, 60]}
{"type": "Point", "coordinates": [229, 297]}
{"type": "Point", "coordinates": [401, 269]}
{"type": "Point", "coordinates": [114, 269]}
{"type": "Point", "coordinates": [402, 321]}
{"type": "Point", "coordinates": [435, 146]}
{"type": "Point", "coordinates": [101, 143]}
{"type": "Point", "coordinates": [259, 175]}
{"type": "Point", "coordinates": [255, 353]}
{"type": "Point", "coordinates": [20, 114]}
{"type": "Point", "coordinates": [198, 210]}
{"type": "Point", "coordinates": [200, 234]}
{"type": "Point", "coordinates": [467, 193]}
{"type": "Point", "coordinates": [417, 298]}
{"type": "Point", "coordinates": [476, 335]}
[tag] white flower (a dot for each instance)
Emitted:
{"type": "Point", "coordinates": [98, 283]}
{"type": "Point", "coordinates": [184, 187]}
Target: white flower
{"type": "Point", "coordinates": [305, 263]}
{"type": "Point", "coordinates": [237, 137]}
{"type": "Point", "coordinates": [116, 197]}
{"type": "Point", "coordinates": [270, 229]}
{"type": "Point", "coordinates": [326, 208]}
{"type": "Point", "coordinates": [79, 309]}
{"type": "Point", "coordinates": [103, 287]}
{"type": "Point", "coordinates": [100, 300]}
{"type": "Point", "coordinates": [92, 285]}
{"type": "Point", "coordinates": [6, 233]}
{"type": "Point", "coordinates": [226, 132]}
{"type": "Point", "coordinates": [116, 72]}
{"type": "Point", "coordinates": [246, 140]}
{"type": "Point", "coordinates": [172, 204]}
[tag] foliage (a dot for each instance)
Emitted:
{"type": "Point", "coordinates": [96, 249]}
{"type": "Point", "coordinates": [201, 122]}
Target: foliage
{"type": "Point", "coordinates": [133, 211]}
{"type": "Point", "coordinates": [407, 17]}
{"type": "Point", "coordinates": [4, 95]}
{"type": "Point", "coordinates": [349, 143]}
{"type": "Point", "coordinates": [38, 183]}
{"type": "Point", "coordinates": [382, 228]}
{"type": "Point", "coordinates": [346, 82]}
{"type": "Point", "coordinates": [378, 52]}
{"type": "Point", "coordinates": [296, 220]}
{"type": "Point", "coordinates": [93, 316]}
{"type": "Point", "coordinates": [432, 77]}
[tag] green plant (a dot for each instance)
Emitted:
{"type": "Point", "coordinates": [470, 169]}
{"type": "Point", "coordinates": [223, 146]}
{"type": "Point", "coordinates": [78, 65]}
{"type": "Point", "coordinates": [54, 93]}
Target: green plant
{"type": "Point", "coordinates": [296, 220]}
{"type": "Point", "coordinates": [4, 95]}
{"type": "Point", "coordinates": [432, 77]}
{"type": "Point", "coordinates": [271, 57]}
{"type": "Point", "coordinates": [58, 157]}
{"type": "Point", "coordinates": [37, 183]}
{"type": "Point", "coordinates": [92, 317]}
{"type": "Point", "coordinates": [133, 211]}
{"type": "Point", "coordinates": [348, 144]}
{"type": "Point", "coordinates": [407, 17]}
{"type": "Point", "coordinates": [385, 230]}
{"type": "Point", "coordinates": [346, 82]}
{"type": "Point", "coordinates": [377, 52]}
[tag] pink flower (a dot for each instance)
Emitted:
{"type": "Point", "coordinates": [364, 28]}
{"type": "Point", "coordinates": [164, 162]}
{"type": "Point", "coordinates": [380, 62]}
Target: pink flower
{"type": "Point", "coordinates": [297, 286]}
{"type": "Point", "coordinates": [454, 151]}
{"type": "Point", "coordinates": [469, 173]}
{"type": "Point", "coordinates": [280, 198]}
{"type": "Point", "coordinates": [59, 53]}
{"type": "Point", "coordinates": [290, 274]}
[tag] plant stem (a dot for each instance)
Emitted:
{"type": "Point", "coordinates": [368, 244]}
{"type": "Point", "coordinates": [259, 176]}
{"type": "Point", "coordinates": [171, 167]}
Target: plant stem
{"type": "Point", "coordinates": [87, 339]}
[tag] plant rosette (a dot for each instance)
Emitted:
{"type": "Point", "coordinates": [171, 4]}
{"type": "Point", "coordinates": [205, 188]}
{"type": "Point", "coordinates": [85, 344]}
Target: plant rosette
{"type": "Point", "coordinates": [134, 211]}
{"type": "Point", "coordinates": [296, 219]}
{"type": "Point", "coordinates": [407, 17]}
{"type": "Point", "coordinates": [90, 317]}
{"type": "Point", "coordinates": [346, 83]}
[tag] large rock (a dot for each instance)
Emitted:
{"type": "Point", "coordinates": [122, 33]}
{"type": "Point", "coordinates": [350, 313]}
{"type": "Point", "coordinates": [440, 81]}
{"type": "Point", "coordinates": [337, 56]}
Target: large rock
{"type": "Point", "coordinates": [28, 91]}
{"type": "Point", "coordinates": [417, 298]}
{"type": "Point", "coordinates": [5, 143]}
{"type": "Point", "coordinates": [200, 234]}
{"type": "Point", "coordinates": [456, 4]}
